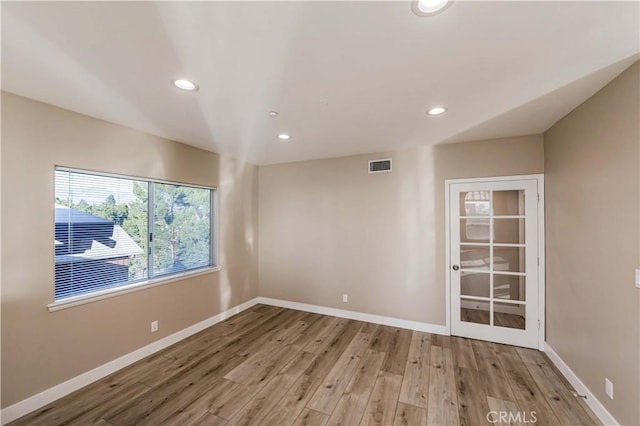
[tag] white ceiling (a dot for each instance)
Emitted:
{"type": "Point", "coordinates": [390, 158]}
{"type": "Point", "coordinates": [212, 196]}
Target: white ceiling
{"type": "Point", "coordinates": [346, 77]}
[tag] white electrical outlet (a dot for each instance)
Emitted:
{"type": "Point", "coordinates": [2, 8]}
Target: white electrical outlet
{"type": "Point", "coordinates": [638, 278]}
{"type": "Point", "coordinates": [345, 298]}
{"type": "Point", "coordinates": [608, 388]}
{"type": "Point", "coordinates": [154, 326]}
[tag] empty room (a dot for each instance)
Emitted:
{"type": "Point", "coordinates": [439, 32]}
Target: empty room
{"type": "Point", "coordinates": [320, 213]}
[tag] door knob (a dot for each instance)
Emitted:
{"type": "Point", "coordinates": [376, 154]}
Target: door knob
{"type": "Point", "coordinates": [455, 267]}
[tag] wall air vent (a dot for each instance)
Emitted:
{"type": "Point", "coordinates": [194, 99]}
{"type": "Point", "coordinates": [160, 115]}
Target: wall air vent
{"type": "Point", "coordinates": [380, 166]}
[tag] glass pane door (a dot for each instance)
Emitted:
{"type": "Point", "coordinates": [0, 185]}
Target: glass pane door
{"type": "Point", "coordinates": [494, 261]}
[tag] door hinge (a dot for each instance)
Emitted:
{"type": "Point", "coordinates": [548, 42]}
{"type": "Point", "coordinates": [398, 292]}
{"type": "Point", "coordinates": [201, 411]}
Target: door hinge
{"type": "Point", "coordinates": [538, 324]}
{"type": "Point", "coordinates": [538, 198]}
{"type": "Point", "coordinates": [538, 260]}
{"type": "Point", "coordinates": [151, 237]}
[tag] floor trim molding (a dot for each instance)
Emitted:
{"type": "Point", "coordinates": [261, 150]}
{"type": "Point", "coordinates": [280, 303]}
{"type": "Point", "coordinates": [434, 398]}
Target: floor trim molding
{"type": "Point", "coordinates": [47, 396]}
{"type": "Point", "coordinates": [360, 316]}
{"type": "Point", "coordinates": [593, 403]}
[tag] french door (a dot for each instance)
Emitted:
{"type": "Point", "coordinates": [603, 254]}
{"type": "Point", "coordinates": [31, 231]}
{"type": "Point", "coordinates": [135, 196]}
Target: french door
{"type": "Point", "coordinates": [494, 260]}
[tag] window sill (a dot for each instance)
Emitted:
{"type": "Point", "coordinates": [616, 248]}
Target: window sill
{"type": "Point", "coordinates": [70, 302]}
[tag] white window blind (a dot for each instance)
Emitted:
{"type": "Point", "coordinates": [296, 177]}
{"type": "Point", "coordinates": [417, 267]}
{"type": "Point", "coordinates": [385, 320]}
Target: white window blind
{"type": "Point", "coordinates": [112, 231]}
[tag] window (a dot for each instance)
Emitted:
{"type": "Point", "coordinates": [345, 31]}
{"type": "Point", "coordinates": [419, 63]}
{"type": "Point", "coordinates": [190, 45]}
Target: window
{"type": "Point", "coordinates": [113, 231]}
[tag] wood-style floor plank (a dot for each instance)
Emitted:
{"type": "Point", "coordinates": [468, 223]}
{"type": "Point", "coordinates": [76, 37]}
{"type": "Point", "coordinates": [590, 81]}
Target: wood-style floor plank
{"type": "Point", "coordinates": [557, 375]}
{"type": "Point", "coordinates": [310, 417]}
{"type": "Point", "coordinates": [260, 362]}
{"type": "Point", "coordinates": [207, 419]}
{"type": "Point", "coordinates": [369, 328]}
{"type": "Point", "coordinates": [327, 396]}
{"type": "Point", "coordinates": [95, 415]}
{"type": "Point", "coordinates": [176, 393]}
{"type": "Point", "coordinates": [227, 406]}
{"type": "Point", "coordinates": [409, 415]}
{"type": "Point", "coordinates": [560, 399]}
{"type": "Point", "coordinates": [333, 349]}
{"type": "Point", "coordinates": [287, 410]}
{"type": "Point", "coordinates": [353, 402]}
{"type": "Point", "coordinates": [494, 378]}
{"type": "Point", "coordinates": [229, 336]}
{"type": "Point", "coordinates": [383, 402]}
{"type": "Point", "coordinates": [206, 402]}
{"type": "Point", "coordinates": [442, 407]}
{"type": "Point", "coordinates": [306, 334]}
{"type": "Point", "coordinates": [262, 403]}
{"type": "Point", "coordinates": [527, 394]}
{"type": "Point", "coordinates": [394, 342]}
{"type": "Point", "coordinates": [100, 422]}
{"type": "Point", "coordinates": [463, 355]}
{"type": "Point", "coordinates": [271, 332]}
{"type": "Point", "coordinates": [415, 384]}
{"type": "Point", "coordinates": [503, 412]}
{"type": "Point", "coordinates": [441, 341]}
{"type": "Point", "coordinates": [472, 399]}
{"type": "Point", "coordinates": [84, 402]}
{"type": "Point", "coordinates": [330, 327]}
{"type": "Point", "coordinates": [281, 367]}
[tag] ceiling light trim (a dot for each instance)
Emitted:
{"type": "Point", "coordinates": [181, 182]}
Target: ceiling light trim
{"type": "Point", "coordinates": [436, 111]}
{"type": "Point", "coordinates": [185, 84]}
{"type": "Point", "coordinates": [430, 7]}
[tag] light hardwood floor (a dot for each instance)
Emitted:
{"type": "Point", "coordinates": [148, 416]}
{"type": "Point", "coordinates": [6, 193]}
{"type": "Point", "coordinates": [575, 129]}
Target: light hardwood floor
{"type": "Point", "coordinates": [275, 366]}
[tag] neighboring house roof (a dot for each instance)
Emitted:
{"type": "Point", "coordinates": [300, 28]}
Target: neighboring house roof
{"type": "Point", "coordinates": [66, 215]}
{"type": "Point", "coordinates": [119, 243]}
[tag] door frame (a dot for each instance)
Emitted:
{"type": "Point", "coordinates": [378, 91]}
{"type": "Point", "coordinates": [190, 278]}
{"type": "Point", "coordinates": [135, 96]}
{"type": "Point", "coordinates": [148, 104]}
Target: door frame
{"type": "Point", "coordinates": [541, 246]}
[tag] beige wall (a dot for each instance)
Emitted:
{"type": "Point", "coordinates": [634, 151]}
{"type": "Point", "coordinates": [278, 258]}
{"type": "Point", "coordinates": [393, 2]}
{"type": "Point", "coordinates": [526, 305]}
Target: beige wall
{"type": "Point", "coordinates": [41, 349]}
{"type": "Point", "coordinates": [592, 163]}
{"type": "Point", "coordinates": [327, 227]}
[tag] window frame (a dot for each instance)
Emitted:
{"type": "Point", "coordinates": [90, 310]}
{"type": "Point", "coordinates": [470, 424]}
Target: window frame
{"type": "Point", "coordinates": [153, 281]}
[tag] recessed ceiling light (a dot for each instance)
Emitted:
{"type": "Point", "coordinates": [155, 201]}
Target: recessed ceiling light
{"type": "Point", "coordinates": [437, 111]}
{"type": "Point", "coordinates": [184, 84]}
{"type": "Point", "coordinates": [273, 113]}
{"type": "Point", "coordinates": [432, 6]}
{"type": "Point", "coordinates": [284, 137]}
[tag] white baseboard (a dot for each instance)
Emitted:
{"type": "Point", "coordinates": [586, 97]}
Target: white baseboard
{"type": "Point", "coordinates": [360, 316]}
{"type": "Point", "coordinates": [43, 398]}
{"type": "Point", "coordinates": [593, 403]}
